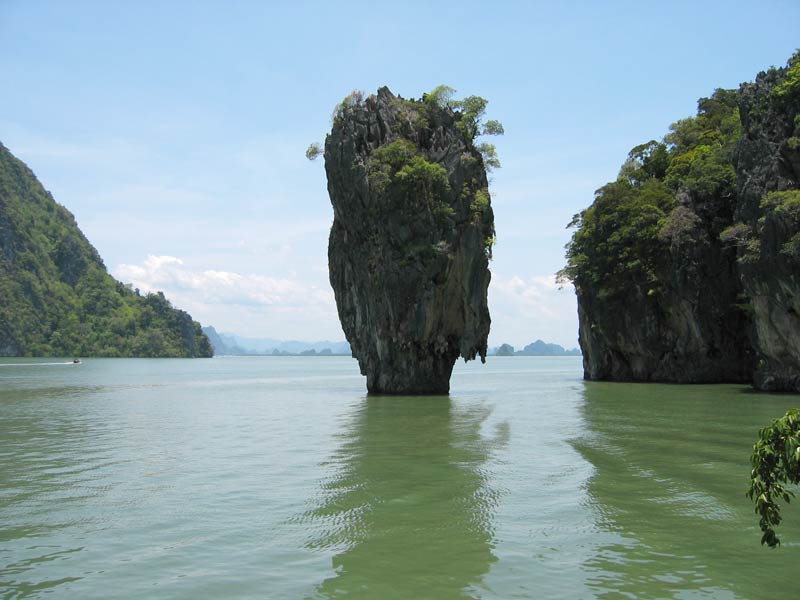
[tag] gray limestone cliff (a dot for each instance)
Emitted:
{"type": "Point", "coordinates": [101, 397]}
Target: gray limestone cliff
{"type": "Point", "coordinates": [685, 327]}
{"type": "Point", "coordinates": [410, 241]}
{"type": "Point", "coordinates": [768, 169]}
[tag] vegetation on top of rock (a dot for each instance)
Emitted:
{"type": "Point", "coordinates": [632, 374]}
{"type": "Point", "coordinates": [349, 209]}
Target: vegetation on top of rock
{"type": "Point", "coordinates": [57, 297]}
{"type": "Point", "coordinates": [405, 170]}
{"type": "Point", "coordinates": [785, 207]}
{"type": "Point", "coordinates": [624, 238]}
{"type": "Point", "coordinates": [779, 211]}
{"type": "Point", "coordinates": [788, 90]}
{"type": "Point", "coordinates": [469, 111]}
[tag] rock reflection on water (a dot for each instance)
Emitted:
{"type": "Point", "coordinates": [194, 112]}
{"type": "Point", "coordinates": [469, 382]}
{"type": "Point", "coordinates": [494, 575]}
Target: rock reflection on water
{"type": "Point", "coordinates": [410, 509]}
{"type": "Point", "coordinates": [671, 467]}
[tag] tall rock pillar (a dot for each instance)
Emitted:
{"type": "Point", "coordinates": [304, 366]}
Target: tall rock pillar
{"type": "Point", "coordinates": [411, 240]}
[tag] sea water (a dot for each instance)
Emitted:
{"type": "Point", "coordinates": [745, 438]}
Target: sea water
{"type": "Point", "coordinates": [278, 477]}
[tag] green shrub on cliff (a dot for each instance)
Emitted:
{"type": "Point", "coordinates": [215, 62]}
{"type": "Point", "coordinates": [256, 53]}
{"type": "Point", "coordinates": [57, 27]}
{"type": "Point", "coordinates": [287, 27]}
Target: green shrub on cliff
{"type": "Point", "coordinates": [400, 168]}
{"type": "Point", "coordinates": [424, 178]}
{"type": "Point", "coordinates": [313, 151]}
{"type": "Point", "coordinates": [786, 203]}
{"type": "Point", "coordinates": [616, 243]}
{"type": "Point", "coordinates": [781, 211]}
{"type": "Point", "coordinates": [471, 112]}
{"type": "Point", "coordinates": [790, 87]}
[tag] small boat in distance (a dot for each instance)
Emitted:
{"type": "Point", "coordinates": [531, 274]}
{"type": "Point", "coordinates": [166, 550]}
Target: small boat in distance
{"type": "Point", "coordinates": [76, 361]}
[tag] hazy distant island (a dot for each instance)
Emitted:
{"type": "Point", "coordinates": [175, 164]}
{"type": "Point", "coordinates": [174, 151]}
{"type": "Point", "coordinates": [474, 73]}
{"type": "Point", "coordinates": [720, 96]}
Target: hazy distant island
{"type": "Point", "coordinates": [412, 234]}
{"type": "Point", "coordinates": [56, 297]}
{"type": "Point", "coordinates": [230, 344]}
{"type": "Point", "coordinates": [686, 267]}
{"type": "Point", "coordinates": [537, 348]}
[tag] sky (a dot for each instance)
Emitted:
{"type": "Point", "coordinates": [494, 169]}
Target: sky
{"type": "Point", "coordinates": [175, 131]}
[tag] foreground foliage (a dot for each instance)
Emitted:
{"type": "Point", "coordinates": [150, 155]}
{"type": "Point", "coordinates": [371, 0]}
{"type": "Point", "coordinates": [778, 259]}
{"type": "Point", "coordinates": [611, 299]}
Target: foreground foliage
{"type": "Point", "coordinates": [776, 462]}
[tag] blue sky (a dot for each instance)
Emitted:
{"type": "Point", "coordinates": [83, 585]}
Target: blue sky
{"type": "Point", "coordinates": [175, 131]}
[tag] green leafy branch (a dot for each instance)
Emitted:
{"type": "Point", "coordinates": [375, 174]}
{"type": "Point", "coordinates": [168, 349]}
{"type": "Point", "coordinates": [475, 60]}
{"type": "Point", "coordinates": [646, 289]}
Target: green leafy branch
{"type": "Point", "coordinates": [776, 461]}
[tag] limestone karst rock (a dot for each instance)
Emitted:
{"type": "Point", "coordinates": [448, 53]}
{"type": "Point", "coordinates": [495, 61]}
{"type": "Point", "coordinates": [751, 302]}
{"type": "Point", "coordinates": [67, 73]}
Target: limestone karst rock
{"type": "Point", "coordinates": [768, 176]}
{"type": "Point", "coordinates": [687, 266]}
{"type": "Point", "coordinates": [411, 239]}
{"type": "Point", "coordinates": [687, 325]}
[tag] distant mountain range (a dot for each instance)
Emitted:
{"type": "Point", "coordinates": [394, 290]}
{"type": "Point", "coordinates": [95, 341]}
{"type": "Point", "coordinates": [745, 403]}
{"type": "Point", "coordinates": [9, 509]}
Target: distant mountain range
{"type": "Point", "coordinates": [537, 348]}
{"type": "Point", "coordinates": [230, 344]}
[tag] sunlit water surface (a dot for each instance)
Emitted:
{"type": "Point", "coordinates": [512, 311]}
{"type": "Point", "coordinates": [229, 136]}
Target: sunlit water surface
{"type": "Point", "coordinates": [280, 478]}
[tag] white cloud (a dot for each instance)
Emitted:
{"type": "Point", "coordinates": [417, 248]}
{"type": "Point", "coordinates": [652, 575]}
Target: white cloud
{"type": "Point", "coordinates": [535, 307]}
{"type": "Point", "coordinates": [248, 304]}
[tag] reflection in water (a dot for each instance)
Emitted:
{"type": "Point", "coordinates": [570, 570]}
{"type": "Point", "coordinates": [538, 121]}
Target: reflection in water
{"type": "Point", "coordinates": [671, 467]}
{"type": "Point", "coordinates": [410, 509]}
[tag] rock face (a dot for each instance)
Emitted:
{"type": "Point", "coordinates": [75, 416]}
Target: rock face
{"type": "Point", "coordinates": [768, 168]}
{"type": "Point", "coordinates": [689, 328]}
{"type": "Point", "coordinates": [687, 268]}
{"type": "Point", "coordinates": [410, 242]}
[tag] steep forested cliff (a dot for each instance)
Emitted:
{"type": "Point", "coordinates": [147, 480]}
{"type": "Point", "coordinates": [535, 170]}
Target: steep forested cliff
{"type": "Point", "coordinates": [56, 297]}
{"type": "Point", "coordinates": [687, 267]}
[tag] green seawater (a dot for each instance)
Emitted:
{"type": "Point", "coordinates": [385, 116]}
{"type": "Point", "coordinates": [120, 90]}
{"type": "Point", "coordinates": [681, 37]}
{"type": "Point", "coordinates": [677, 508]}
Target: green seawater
{"type": "Point", "coordinates": [279, 478]}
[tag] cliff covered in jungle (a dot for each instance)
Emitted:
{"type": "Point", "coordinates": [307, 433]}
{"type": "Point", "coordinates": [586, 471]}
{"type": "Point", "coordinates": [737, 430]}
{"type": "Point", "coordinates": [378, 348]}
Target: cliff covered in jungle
{"type": "Point", "coordinates": [57, 296]}
{"type": "Point", "coordinates": [687, 266]}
